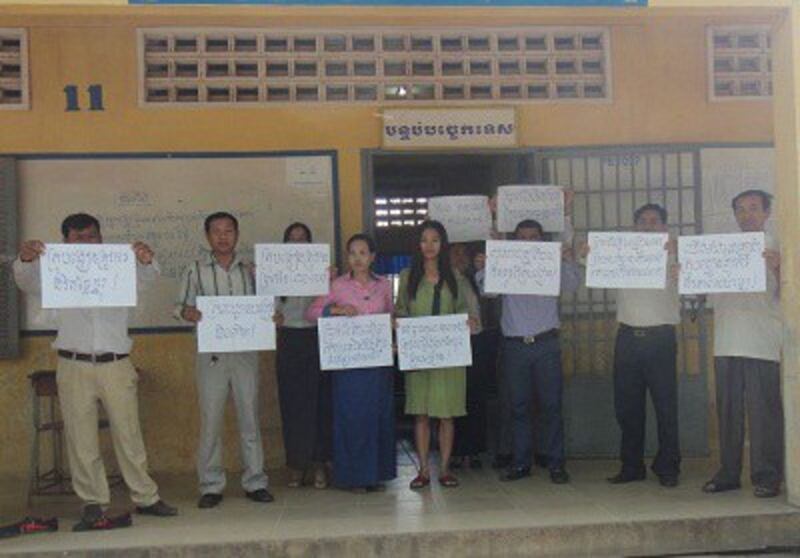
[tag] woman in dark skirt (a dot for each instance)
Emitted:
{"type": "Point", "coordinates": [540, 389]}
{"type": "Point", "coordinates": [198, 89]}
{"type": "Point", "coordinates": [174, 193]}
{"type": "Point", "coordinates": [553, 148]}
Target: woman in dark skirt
{"type": "Point", "coordinates": [363, 404]}
{"type": "Point", "coordinates": [304, 390]}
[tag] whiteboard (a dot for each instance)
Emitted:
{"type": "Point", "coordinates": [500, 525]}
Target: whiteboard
{"type": "Point", "coordinates": [725, 172]}
{"type": "Point", "coordinates": [164, 199]}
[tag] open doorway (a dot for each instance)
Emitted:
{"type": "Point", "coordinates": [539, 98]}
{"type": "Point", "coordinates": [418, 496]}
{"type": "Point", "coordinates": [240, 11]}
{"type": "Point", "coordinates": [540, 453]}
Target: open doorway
{"type": "Point", "coordinates": [398, 184]}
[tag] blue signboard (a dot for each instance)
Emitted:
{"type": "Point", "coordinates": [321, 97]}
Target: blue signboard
{"type": "Point", "coordinates": [484, 3]}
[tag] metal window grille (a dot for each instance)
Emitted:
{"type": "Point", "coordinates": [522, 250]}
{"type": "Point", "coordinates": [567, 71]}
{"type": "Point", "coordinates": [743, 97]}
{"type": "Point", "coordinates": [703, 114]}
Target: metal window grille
{"type": "Point", "coordinates": [609, 185]}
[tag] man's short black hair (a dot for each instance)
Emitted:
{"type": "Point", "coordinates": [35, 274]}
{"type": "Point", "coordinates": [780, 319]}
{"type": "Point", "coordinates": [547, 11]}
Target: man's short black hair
{"type": "Point", "coordinates": [529, 224]}
{"type": "Point", "coordinates": [78, 222]}
{"type": "Point", "coordinates": [662, 213]}
{"type": "Point", "coordinates": [220, 215]}
{"type": "Point", "coordinates": [766, 198]}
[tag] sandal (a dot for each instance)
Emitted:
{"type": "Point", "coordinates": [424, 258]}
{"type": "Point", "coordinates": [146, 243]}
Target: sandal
{"type": "Point", "coordinates": [420, 481]}
{"type": "Point", "coordinates": [295, 479]}
{"type": "Point", "coordinates": [712, 486]}
{"type": "Point", "coordinates": [766, 491]}
{"type": "Point", "coordinates": [320, 478]}
{"type": "Point", "coordinates": [448, 481]}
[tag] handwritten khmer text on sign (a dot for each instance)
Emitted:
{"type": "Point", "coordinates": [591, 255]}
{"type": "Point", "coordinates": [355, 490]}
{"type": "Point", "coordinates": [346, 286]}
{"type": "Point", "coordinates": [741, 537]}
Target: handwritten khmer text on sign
{"type": "Point", "coordinates": [433, 342]}
{"type": "Point", "coordinates": [544, 204]}
{"type": "Point", "coordinates": [466, 218]}
{"type": "Point", "coordinates": [627, 260]}
{"type": "Point", "coordinates": [357, 342]}
{"type": "Point", "coordinates": [292, 269]}
{"type": "Point", "coordinates": [520, 267]}
{"type": "Point", "coordinates": [232, 324]}
{"type": "Point", "coordinates": [88, 275]}
{"type": "Point", "coordinates": [722, 263]}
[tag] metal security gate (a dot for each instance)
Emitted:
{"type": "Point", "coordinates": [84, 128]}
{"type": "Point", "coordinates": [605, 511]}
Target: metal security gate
{"type": "Point", "coordinates": [609, 184]}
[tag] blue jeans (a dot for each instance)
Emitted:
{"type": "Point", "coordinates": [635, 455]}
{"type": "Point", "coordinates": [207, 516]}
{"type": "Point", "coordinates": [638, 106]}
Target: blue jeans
{"type": "Point", "coordinates": [535, 368]}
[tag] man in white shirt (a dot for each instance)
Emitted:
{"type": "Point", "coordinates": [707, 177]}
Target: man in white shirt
{"type": "Point", "coordinates": [645, 360]}
{"type": "Point", "coordinates": [93, 365]}
{"type": "Point", "coordinates": [222, 272]}
{"type": "Point", "coordinates": [748, 330]}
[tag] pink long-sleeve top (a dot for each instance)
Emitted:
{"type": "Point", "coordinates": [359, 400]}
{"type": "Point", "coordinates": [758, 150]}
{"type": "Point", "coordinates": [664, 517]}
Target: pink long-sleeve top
{"type": "Point", "coordinates": [373, 298]}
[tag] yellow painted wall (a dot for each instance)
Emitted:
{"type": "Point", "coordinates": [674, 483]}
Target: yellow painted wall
{"type": "Point", "coordinates": [660, 96]}
{"type": "Point", "coordinates": [167, 405]}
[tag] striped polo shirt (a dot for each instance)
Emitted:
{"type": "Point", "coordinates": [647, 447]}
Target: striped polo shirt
{"type": "Point", "coordinates": [206, 277]}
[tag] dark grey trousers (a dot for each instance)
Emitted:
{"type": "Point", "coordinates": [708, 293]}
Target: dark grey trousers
{"type": "Point", "coordinates": [753, 386]}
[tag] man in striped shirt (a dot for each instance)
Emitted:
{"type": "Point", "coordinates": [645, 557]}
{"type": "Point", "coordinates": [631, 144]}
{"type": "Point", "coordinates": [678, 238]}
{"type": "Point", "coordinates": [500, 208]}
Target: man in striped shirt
{"type": "Point", "coordinates": [223, 273]}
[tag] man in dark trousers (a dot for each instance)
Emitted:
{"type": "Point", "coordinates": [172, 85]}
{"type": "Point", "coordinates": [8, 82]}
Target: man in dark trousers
{"type": "Point", "coordinates": [748, 334]}
{"type": "Point", "coordinates": [645, 360]}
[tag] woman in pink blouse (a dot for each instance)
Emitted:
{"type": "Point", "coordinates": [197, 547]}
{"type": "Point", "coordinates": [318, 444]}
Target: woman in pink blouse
{"type": "Point", "coordinates": [363, 404]}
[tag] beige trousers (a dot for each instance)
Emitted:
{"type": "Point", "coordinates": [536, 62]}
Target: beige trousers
{"type": "Point", "coordinates": [80, 386]}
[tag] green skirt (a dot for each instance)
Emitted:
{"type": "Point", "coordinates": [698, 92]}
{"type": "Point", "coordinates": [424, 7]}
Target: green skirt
{"type": "Point", "coordinates": [439, 393]}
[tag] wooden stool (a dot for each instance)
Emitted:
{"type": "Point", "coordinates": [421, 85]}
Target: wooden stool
{"type": "Point", "coordinates": [46, 420]}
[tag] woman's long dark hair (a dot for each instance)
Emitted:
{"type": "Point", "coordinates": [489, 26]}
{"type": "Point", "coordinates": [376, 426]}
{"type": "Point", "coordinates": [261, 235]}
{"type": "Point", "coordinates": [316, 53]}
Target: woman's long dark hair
{"type": "Point", "coordinates": [296, 225]}
{"type": "Point", "coordinates": [417, 272]}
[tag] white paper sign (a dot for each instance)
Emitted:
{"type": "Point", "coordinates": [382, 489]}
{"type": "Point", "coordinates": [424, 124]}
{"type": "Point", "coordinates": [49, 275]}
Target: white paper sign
{"type": "Point", "coordinates": [88, 275]}
{"type": "Point", "coordinates": [627, 260]}
{"type": "Point", "coordinates": [466, 218]}
{"type": "Point", "coordinates": [292, 269]}
{"type": "Point", "coordinates": [232, 324]}
{"type": "Point", "coordinates": [544, 204]}
{"type": "Point", "coordinates": [722, 263]}
{"type": "Point", "coordinates": [357, 342]}
{"type": "Point", "coordinates": [522, 267]}
{"type": "Point", "coordinates": [433, 342]}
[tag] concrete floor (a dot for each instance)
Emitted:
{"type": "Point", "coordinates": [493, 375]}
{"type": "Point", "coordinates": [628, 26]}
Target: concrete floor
{"type": "Point", "coordinates": [587, 517]}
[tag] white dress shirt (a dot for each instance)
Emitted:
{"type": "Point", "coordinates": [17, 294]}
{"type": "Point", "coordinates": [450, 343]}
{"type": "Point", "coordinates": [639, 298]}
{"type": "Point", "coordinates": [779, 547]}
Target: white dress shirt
{"type": "Point", "coordinates": [750, 324]}
{"type": "Point", "coordinates": [650, 307]}
{"type": "Point", "coordinates": [87, 330]}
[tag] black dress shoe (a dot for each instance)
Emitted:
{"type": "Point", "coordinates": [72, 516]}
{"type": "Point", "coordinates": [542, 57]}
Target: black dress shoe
{"type": "Point", "coordinates": [515, 473]}
{"type": "Point", "coordinates": [668, 481]}
{"type": "Point", "coordinates": [159, 509]}
{"type": "Point", "coordinates": [713, 486]}
{"type": "Point", "coordinates": [501, 461]}
{"type": "Point", "coordinates": [559, 475]}
{"type": "Point", "coordinates": [91, 513]}
{"type": "Point", "coordinates": [261, 495]}
{"type": "Point", "coordinates": [624, 477]}
{"type": "Point", "coordinates": [209, 501]}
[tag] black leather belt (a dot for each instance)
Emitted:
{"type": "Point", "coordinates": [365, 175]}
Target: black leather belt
{"type": "Point", "coordinates": [530, 339]}
{"type": "Point", "coordinates": [86, 357]}
{"type": "Point", "coordinates": [645, 331]}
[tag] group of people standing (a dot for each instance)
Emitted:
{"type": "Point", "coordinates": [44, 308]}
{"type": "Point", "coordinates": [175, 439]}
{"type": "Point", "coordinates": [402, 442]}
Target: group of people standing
{"type": "Point", "coordinates": [339, 427]}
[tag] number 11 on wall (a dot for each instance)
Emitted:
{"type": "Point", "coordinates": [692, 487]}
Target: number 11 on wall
{"type": "Point", "coordinates": [95, 97]}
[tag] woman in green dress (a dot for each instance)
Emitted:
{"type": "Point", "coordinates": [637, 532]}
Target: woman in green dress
{"type": "Point", "coordinates": [430, 287]}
